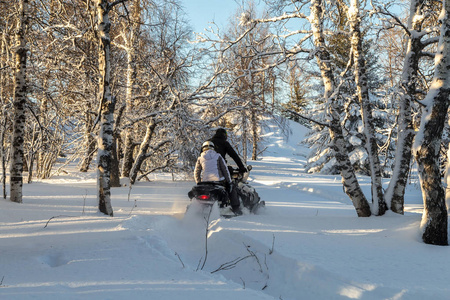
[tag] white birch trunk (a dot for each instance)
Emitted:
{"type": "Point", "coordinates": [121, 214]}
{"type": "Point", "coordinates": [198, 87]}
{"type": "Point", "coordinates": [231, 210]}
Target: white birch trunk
{"type": "Point", "coordinates": [244, 137]}
{"type": "Point", "coordinates": [254, 120]}
{"type": "Point", "coordinates": [3, 153]}
{"type": "Point", "coordinates": [105, 139]}
{"type": "Point", "coordinates": [339, 145]}
{"type": "Point", "coordinates": [379, 206]}
{"type": "Point", "coordinates": [395, 192]}
{"type": "Point", "coordinates": [20, 94]}
{"type": "Point", "coordinates": [41, 153]}
{"type": "Point", "coordinates": [115, 169]}
{"type": "Point", "coordinates": [447, 183]}
{"type": "Point", "coordinates": [4, 120]}
{"type": "Point", "coordinates": [142, 155]}
{"type": "Point", "coordinates": [254, 124]}
{"type": "Point", "coordinates": [428, 141]}
{"type": "Point", "coordinates": [89, 143]}
{"type": "Point", "coordinates": [131, 47]}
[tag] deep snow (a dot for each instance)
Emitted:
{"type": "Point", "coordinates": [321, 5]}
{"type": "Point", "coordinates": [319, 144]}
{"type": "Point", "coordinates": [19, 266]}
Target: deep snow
{"type": "Point", "coordinates": [307, 244]}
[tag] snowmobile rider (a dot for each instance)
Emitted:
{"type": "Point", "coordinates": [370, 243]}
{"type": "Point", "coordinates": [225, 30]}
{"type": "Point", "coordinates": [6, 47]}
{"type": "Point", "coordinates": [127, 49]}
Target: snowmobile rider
{"type": "Point", "coordinates": [223, 147]}
{"type": "Point", "coordinates": [211, 166]}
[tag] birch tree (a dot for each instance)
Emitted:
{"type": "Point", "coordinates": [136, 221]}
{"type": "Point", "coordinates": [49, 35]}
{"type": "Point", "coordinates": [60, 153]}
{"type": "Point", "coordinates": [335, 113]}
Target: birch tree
{"type": "Point", "coordinates": [155, 94]}
{"type": "Point", "coordinates": [3, 154]}
{"type": "Point", "coordinates": [6, 90]}
{"type": "Point", "coordinates": [331, 95]}
{"type": "Point", "coordinates": [420, 34]}
{"type": "Point", "coordinates": [428, 140]}
{"type": "Point", "coordinates": [243, 47]}
{"type": "Point", "coordinates": [20, 96]}
{"type": "Point", "coordinates": [416, 34]}
{"type": "Point", "coordinates": [131, 46]}
{"type": "Point", "coordinates": [106, 109]}
{"type": "Point", "coordinates": [63, 72]}
{"type": "Point", "coordinates": [349, 180]}
{"type": "Point", "coordinates": [361, 81]}
{"type": "Point", "coordinates": [396, 189]}
{"type": "Point", "coordinates": [142, 154]}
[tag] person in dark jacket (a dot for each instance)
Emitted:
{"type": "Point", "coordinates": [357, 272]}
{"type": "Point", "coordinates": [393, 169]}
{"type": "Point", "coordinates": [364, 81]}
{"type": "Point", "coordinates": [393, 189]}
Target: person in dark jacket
{"type": "Point", "coordinates": [223, 147]}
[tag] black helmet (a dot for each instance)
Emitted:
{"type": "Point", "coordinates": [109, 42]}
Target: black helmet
{"type": "Point", "coordinates": [207, 146]}
{"type": "Point", "coordinates": [221, 132]}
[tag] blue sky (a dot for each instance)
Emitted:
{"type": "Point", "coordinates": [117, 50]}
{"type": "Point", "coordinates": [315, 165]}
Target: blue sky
{"type": "Point", "coordinates": [200, 12]}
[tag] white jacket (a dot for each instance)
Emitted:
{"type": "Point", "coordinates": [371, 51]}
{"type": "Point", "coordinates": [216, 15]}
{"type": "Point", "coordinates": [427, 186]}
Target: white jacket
{"type": "Point", "coordinates": [211, 166]}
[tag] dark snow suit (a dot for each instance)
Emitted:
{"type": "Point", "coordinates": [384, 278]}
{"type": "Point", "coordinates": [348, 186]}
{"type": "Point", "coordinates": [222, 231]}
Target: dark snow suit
{"type": "Point", "coordinates": [223, 147]}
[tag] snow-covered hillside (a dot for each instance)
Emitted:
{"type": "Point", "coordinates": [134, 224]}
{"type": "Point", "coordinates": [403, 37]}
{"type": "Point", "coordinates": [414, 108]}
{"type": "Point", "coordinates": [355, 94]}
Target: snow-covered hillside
{"type": "Point", "coordinates": [307, 243]}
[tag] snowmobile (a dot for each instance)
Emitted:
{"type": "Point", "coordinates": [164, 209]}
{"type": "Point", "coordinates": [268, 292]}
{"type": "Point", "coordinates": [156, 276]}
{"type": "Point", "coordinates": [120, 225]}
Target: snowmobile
{"type": "Point", "coordinates": [208, 193]}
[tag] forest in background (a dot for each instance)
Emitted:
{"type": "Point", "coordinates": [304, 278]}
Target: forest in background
{"type": "Point", "coordinates": [125, 87]}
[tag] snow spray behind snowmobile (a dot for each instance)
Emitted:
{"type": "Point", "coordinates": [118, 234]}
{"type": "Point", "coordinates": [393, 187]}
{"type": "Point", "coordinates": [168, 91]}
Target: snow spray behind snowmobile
{"type": "Point", "coordinates": [208, 193]}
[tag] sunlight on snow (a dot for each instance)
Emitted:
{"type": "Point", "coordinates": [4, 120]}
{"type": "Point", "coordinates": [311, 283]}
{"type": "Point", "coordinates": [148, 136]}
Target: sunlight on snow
{"type": "Point", "coordinates": [116, 284]}
{"type": "Point", "coordinates": [59, 232]}
{"type": "Point", "coordinates": [270, 230]}
{"type": "Point", "coordinates": [309, 205]}
{"type": "Point", "coordinates": [354, 292]}
{"type": "Point", "coordinates": [399, 296]}
{"type": "Point", "coordinates": [353, 231]}
{"type": "Point", "coordinates": [351, 292]}
{"type": "Point", "coordinates": [212, 231]}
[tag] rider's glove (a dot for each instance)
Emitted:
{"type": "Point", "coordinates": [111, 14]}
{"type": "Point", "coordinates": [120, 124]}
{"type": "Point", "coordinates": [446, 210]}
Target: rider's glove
{"type": "Point", "coordinates": [242, 170]}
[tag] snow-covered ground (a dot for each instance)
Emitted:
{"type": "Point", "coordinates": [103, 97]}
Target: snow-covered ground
{"type": "Point", "coordinates": [307, 243]}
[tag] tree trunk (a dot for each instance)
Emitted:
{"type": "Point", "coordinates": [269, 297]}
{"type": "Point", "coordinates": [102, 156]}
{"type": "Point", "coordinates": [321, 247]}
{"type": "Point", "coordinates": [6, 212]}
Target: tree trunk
{"type": "Point", "coordinates": [395, 193]}
{"type": "Point", "coordinates": [4, 120]}
{"type": "Point", "coordinates": [115, 169]}
{"type": "Point", "coordinates": [114, 175]}
{"type": "Point", "coordinates": [89, 143]}
{"type": "Point", "coordinates": [338, 145]}
{"type": "Point", "coordinates": [106, 112]}
{"type": "Point", "coordinates": [131, 46]}
{"type": "Point", "coordinates": [20, 94]}
{"type": "Point", "coordinates": [254, 120]}
{"type": "Point", "coordinates": [273, 92]}
{"type": "Point", "coordinates": [379, 207]}
{"type": "Point", "coordinates": [104, 157]}
{"type": "Point", "coordinates": [428, 141]}
{"type": "Point", "coordinates": [89, 140]}
{"type": "Point", "coordinates": [43, 148]}
{"type": "Point", "coordinates": [447, 182]}
{"type": "Point", "coordinates": [244, 138]}
{"type": "Point", "coordinates": [3, 153]}
{"type": "Point", "coordinates": [142, 155]}
{"type": "Point", "coordinates": [127, 161]}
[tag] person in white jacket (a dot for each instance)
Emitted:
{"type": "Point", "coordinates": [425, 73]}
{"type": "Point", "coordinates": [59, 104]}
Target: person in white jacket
{"type": "Point", "coordinates": [211, 166]}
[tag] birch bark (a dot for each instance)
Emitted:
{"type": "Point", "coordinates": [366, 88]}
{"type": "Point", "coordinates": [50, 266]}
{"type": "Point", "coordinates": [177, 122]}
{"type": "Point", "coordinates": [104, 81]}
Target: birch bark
{"type": "Point", "coordinates": [20, 94]}
{"type": "Point", "coordinates": [142, 151]}
{"type": "Point", "coordinates": [396, 190]}
{"type": "Point", "coordinates": [339, 145]}
{"type": "Point", "coordinates": [131, 47]}
{"type": "Point", "coordinates": [379, 207]}
{"type": "Point", "coordinates": [3, 129]}
{"type": "Point", "coordinates": [4, 122]}
{"type": "Point", "coordinates": [428, 141]}
{"type": "Point", "coordinates": [89, 142]}
{"type": "Point", "coordinates": [106, 117]}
